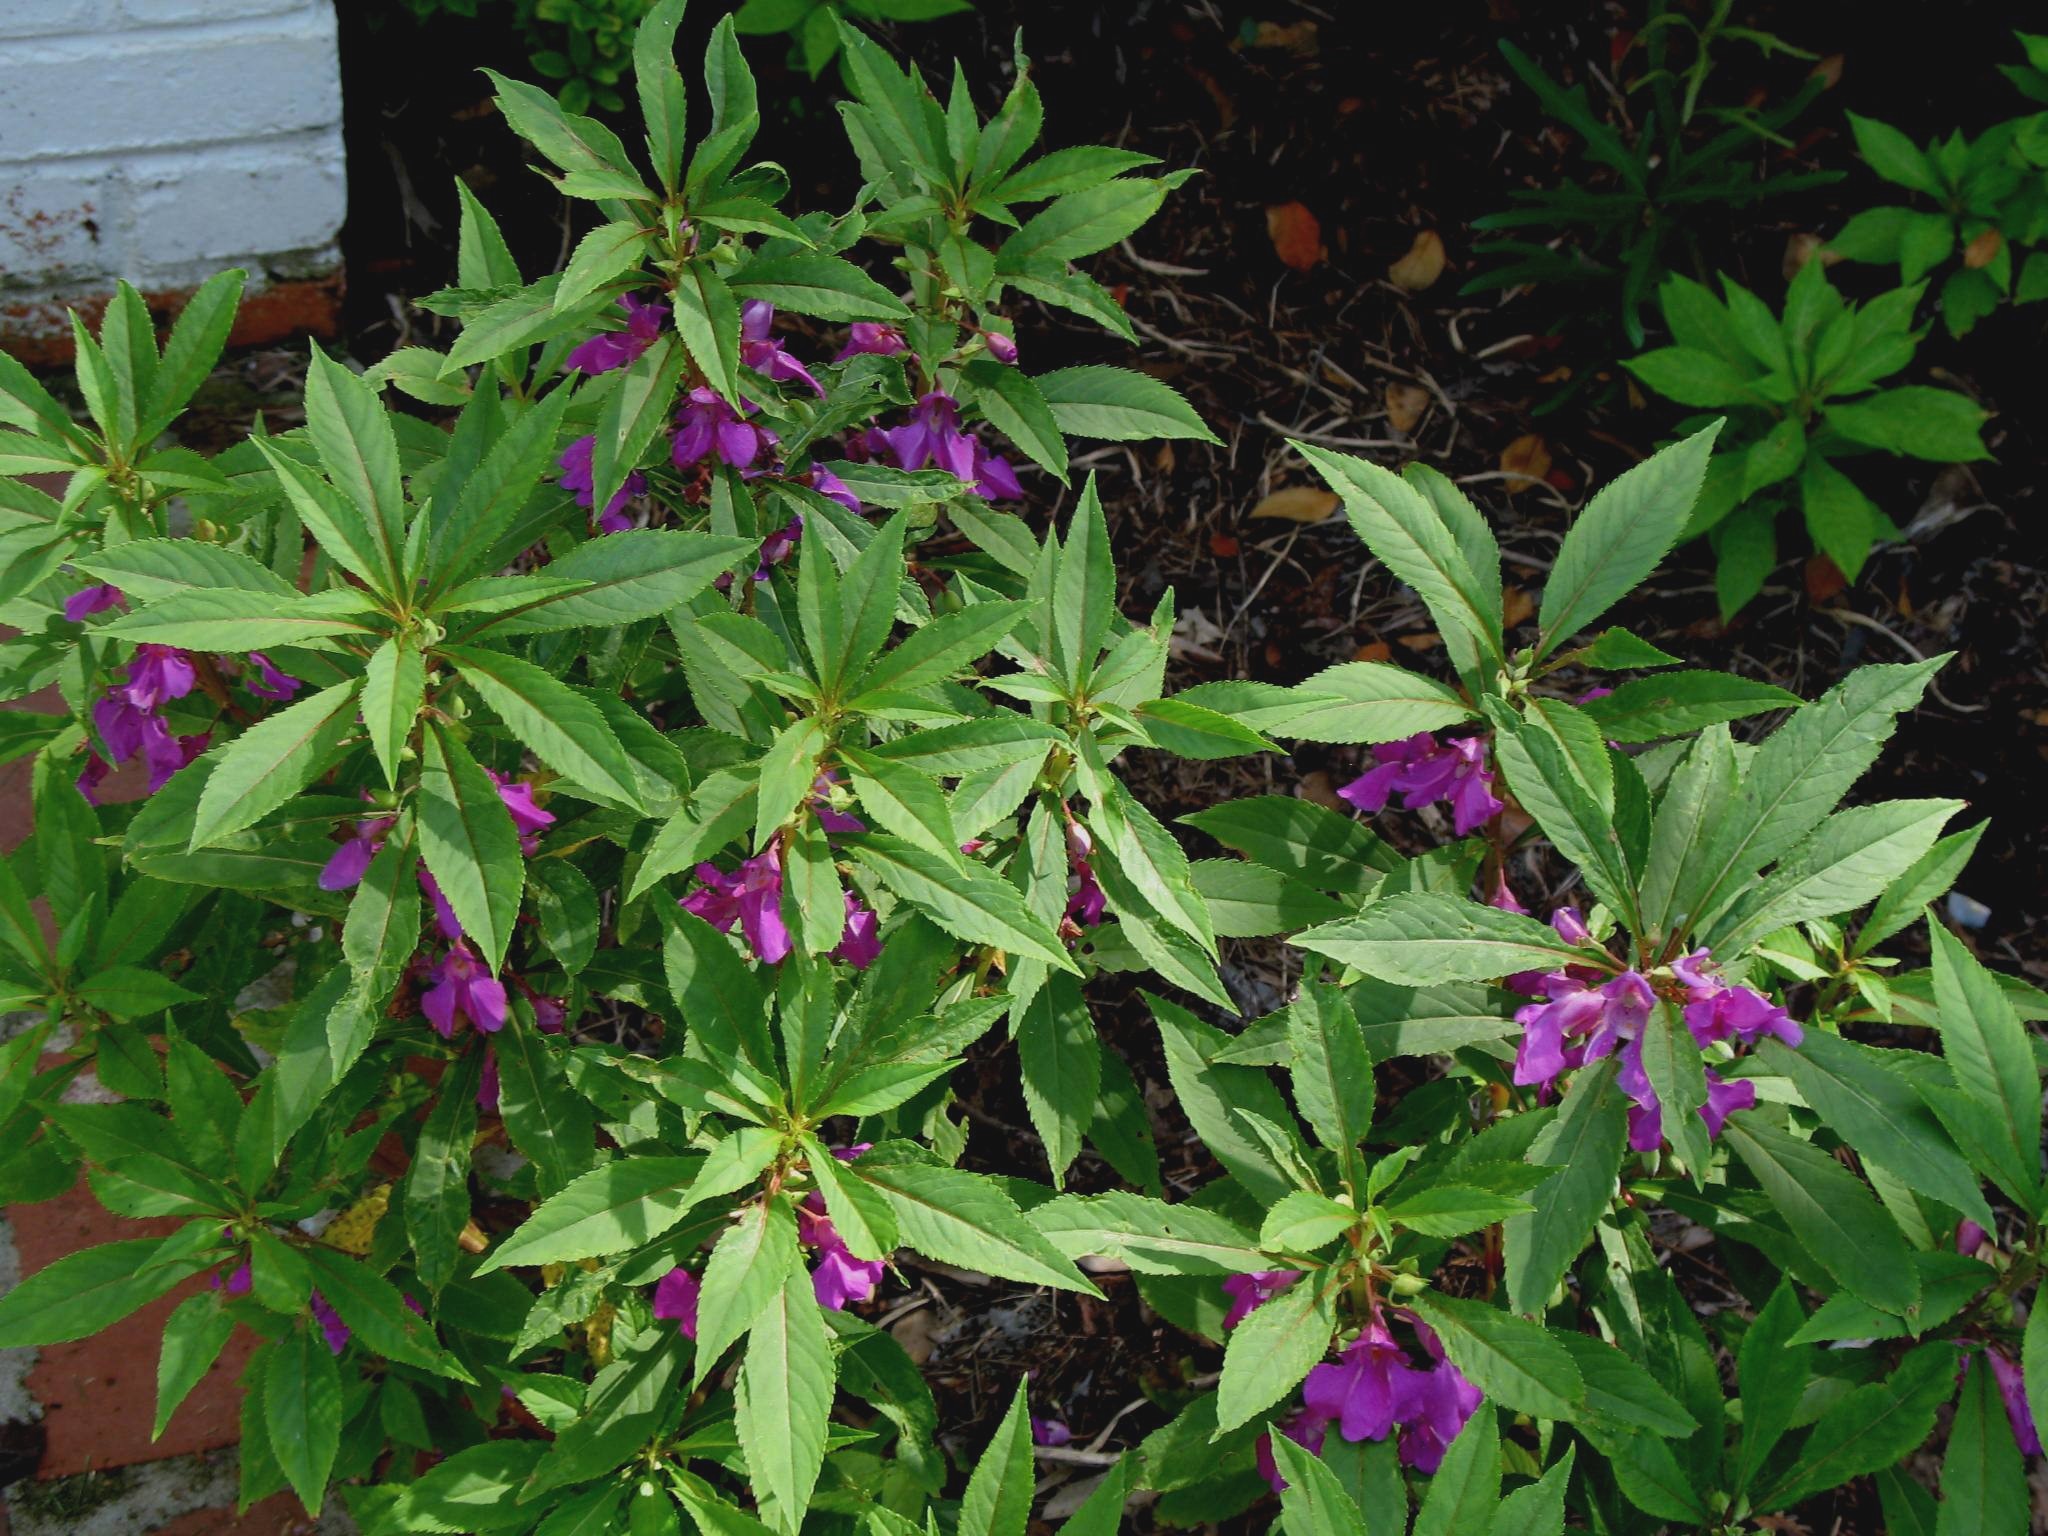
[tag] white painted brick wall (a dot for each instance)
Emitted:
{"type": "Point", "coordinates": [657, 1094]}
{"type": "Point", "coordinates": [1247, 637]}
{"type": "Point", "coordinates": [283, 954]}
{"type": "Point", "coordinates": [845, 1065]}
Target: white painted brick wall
{"type": "Point", "coordinates": [161, 140]}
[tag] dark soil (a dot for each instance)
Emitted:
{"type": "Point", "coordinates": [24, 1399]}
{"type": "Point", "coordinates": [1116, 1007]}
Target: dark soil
{"type": "Point", "coordinates": [1384, 120]}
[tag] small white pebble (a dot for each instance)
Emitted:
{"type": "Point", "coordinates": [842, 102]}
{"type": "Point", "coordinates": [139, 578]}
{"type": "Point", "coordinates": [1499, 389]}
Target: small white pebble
{"type": "Point", "coordinates": [1967, 911]}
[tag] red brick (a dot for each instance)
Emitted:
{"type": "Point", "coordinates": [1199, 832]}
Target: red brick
{"type": "Point", "coordinates": [38, 334]}
{"type": "Point", "coordinates": [99, 1394]}
{"type": "Point", "coordinates": [276, 1516]}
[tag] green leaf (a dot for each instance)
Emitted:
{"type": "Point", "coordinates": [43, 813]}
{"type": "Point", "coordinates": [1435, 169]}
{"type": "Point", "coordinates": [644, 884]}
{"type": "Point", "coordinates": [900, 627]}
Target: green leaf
{"type": "Point", "coordinates": [1624, 533]}
{"type": "Point", "coordinates": [1621, 1391]}
{"type": "Point", "coordinates": [1332, 1072]}
{"type": "Point", "coordinates": [941, 648]}
{"type": "Point", "coordinates": [1316, 845]}
{"type": "Point", "coordinates": [1671, 1057]}
{"type": "Point", "coordinates": [1369, 701]}
{"type": "Point", "coordinates": [1247, 900]}
{"type": "Point", "coordinates": [1918, 421]}
{"type": "Point", "coordinates": [545, 1118]}
{"type": "Point", "coordinates": [1513, 1361]}
{"type": "Point", "coordinates": [1538, 1509]}
{"type": "Point", "coordinates": [1894, 156]}
{"type": "Point", "coordinates": [750, 1264]}
{"type": "Point", "coordinates": [1151, 1236]}
{"type": "Point", "coordinates": [1401, 525]}
{"type": "Point", "coordinates": [615, 1207]}
{"type": "Point", "coordinates": [1464, 1493]}
{"type": "Point", "coordinates": [1211, 1094]}
{"type": "Point", "coordinates": [1984, 1488]}
{"type": "Point", "coordinates": [376, 1313]}
{"type": "Point", "coordinates": [437, 1186]}
{"type": "Point", "coordinates": [1772, 1373]}
{"type": "Point", "coordinates": [354, 439]}
{"type": "Point", "coordinates": [1908, 896]}
{"type": "Point", "coordinates": [1987, 1048]}
{"type": "Point", "coordinates": [1418, 938]}
{"type": "Point", "coordinates": [962, 1218]}
{"type": "Point", "coordinates": [561, 728]}
{"type": "Point", "coordinates": [1553, 791]}
{"type": "Point", "coordinates": [469, 842]}
{"type": "Point", "coordinates": [640, 405]}
{"type": "Point", "coordinates": [394, 687]}
{"type": "Point", "coordinates": [193, 1337]}
{"type": "Point", "coordinates": [302, 1402]}
{"type": "Point", "coordinates": [1000, 1489]}
{"type": "Point", "coordinates": [475, 1489]}
{"type": "Point", "coordinates": [1312, 1501]}
{"type": "Point", "coordinates": [963, 897]}
{"type": "Point", "coordinates": [130, 992]}
{"type": "Point", "coordinates": [1874, 1426]}
{"type": "Point", "coordinates": [1679, 703]}
{"type": "Point", "coordinates": [471, 514]}
{"type": "Point", "coordinates": [639, 574]}
{"type": "Point", "coordinates": [148, 569]}
{"type": "Point", "coordinates": [708, 320]}
{"type": "Point", "coordinates": [1059, 1060]}
{"type": "Point", "coordinates": [601, 255]}
{"type": "Point", "coordinates": [1584, 1144]}
{"type": "Point", "coordinates": [904, 800]}
{"type": "Point", "coordinates": [1830, 1210]}
{"type": "Point", "coordinates": [1302, 1223]}
{"type": "Point", "coordinates": [382, 930]}
{"type": "Point", "coordinates": [566, 905]}
{"type": "Point", "coordinates": [813, 283]}
{"type": "Point", "coordinates": [1189, 730]}
{"type": "Point", "coordinates": [1273, 1348]}
{"type": "Point", "coordinates": [1082, 223]}
{"type": "Point", "coordinates": [272, 761]}
{"type": "Point", "coordinates": [1083, 591]}
{"type": "Point", "coordinates": [89, 1290]}
{"type": "Point", "coordinates": [783, 1402]}
{"type": "Point", "coordinates": [1119, 405]}
{"type": "Point", "coordinates": [234, 619]}
{"type": "Point", "coordinates": [1694, 378]}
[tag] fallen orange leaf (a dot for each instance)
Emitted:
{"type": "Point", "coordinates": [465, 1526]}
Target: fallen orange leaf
{"type": "Point", "coordinates": [1983, 249]}
{"type": "Point", "coordinates": [1374, 650]}
{"type": "Point", "coordinates": [1516, 605]}
{"type": "Point", "coordinates": [1296, 235]}
{"type": "Point", "coordinates": [1824, 579]}
{"type": "Point", "coordinates": [1423, 642]}
{"type": "Point", "coordinates": [1298, 504]}
{"type": "Point", "coordinates": [1525, 461]}
{"type": "Point", "coordinates": [1223, 546]}
{"type": "Point", "coordinates": [1405, 405]}
{"type": "Point", "coordinates": [1423, 264]}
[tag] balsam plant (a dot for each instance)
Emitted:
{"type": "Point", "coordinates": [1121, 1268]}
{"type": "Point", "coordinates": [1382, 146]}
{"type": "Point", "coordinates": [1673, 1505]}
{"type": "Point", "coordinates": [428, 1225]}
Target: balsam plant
{"type": "Point", "coordinates": [581, 842]}
{"type": "Point", "coordinates": [1980, 210]}
{"type": "Point", "coordinates": [1803, 391]}
{"type": "Point", "coordinates": [814, 27]}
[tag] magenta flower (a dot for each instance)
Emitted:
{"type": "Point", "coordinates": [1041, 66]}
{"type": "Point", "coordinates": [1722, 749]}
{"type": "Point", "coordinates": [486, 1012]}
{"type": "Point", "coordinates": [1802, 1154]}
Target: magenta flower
{"type": "Point", "coordinates": [675, 1299]}
{"type": "Point", "coordinates": [1569, 925]}
{"type": "Point", "coordinates": [269, 682]}
{"type": "Point", "coordinates": [1049, 1432]}
{"type": "Point", "coordinates": [1306, 1430]}
{"type": "Point", "coordinates": [1503, 897]}
{"type": "Point", "coordinates": [618, 349]}
{"type": "Point", "coordinates": [1434, 1406]}
{"type": "Point", "coordinates": [349, 862]}
{"type": "Point", "coordinates": [867, 336]}
{"type": "Point", "coordinates": [860, 945]}
{"type": "Point", "coordinates": [92, 776]}
{"type": "Point", "coordinates": [1359, 1392]}
{"type": "Point", "coordinates": [750, 897]}
{"type": "Point", "coordinates": [779, 545]}
{"type": "Point", "coordinates": [332, 1328]}
{"type": "Point", "coordinates": [1249, 1292]}
{"type": "Point", "coordinates": [445, 920]}
{"type": "Point", "coordinates": [1970, 1238]}
{"type": "Point", "coordinates": [81, 605]}
{"type": "Point", "coordinates": [527, 818]}
{"type": "Point", "coordinates": [1085, 900]}
{"type": "Point", "coordinates": [933, 437]}
{"type": "Point", "coordinates": [994, 477]}
{"type": "Point", "coordinates": [710, 427]}
{"type": "Point", "coordinates": [158, 674]}
{"type": "Point", "coordinates": [1724, 1098]}
{"type": "Point", "coordinates": [1423, 771]}
{"type": "Point", "coordinates": [237, 1282]}
{"type": "Point", "coordinates": [463, 987]}
{"type": "Point", "coordinates": [1000, 347]}
{"type": "Point", "coordinates": [830, 486]}
{"type": "Point", "coordinates": [830, 817]}
{"type": "Point", "coordinates": [578, 463]}
{"type": "Point", "coordinates": [765, 355]}
{"type": "Point", "coordinates": [2012, 1386]}
{"type": "Point", "coordinates": [838, 1278]}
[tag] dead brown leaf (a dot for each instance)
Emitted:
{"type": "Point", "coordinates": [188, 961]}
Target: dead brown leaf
{"type": "Point", "coordinates": [1423, 642]}
{"type": "Point", "coordinates": [1299, 37]}
{"type": "Point", "coordinates": [1824, 580]}
{"type": "Point", "coordinates": [1316, 786]}
{"type": "Point", "coordinates": [1516, 605]}
{"type": "Point", "coordinates": [1525, 461]}
{"type": "Point", "coordinates": [1374, 650]}
{"type": "Point", "coordinates": [1298, 504]}
{"type": "Point", "coordinates": [1296, 234]}
{"type": "Point", "coordinates": [1423, 264]}
{"type": "Point", "coordinates": [1983, 249]}
{"type": "Point", "coordinates": [1224, 546]}
{"type": "Point", "coordinates": [1405, 405]}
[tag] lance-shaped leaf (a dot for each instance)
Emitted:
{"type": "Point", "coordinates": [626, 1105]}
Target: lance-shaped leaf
{"type": "Point", "coordinates": [1628, 527]}
{"type": "Point", "coordinates": [1419, 939]}
{"type": "Point", "coordinates": [1988, 1049]}
{"type": "Point", "coordinates": [814, 283]}
{"type": "Point", "coordinates": [639, 407]}
{"type": "Point", "coordinates": [1675, 703]}
{"type": "Point", "coordinates": [618, 1206]}
{"type": "Point", "coordinates": [354, 438]}
{"type": "Point", "coordinates": [376, 1312]}
{"type": "Point", "coordinates": [1550, 789]}
{"type": "Point", "coordinates": [271, 761]}
{"type": "Point", "coordinates": [964, 897]}
{"type": "Point", "coordinates": [148, 569]}
{"type": "Point", "coordinates": [1516, 1363]}
{"type": "Point", "coordinates": [92, 1289]}
{"type": "Point", "coordinates": [302, 1402]}
{"type": "Point", "coordinates": [941, 648]}
{"type": "Point", "coordinates": [1402, 526]}
{"type": "Point", "coordinates": [1370, 701]}
{"type": "Point", "coordinates": [469, 516]}
{"type": "Point", "coordinates": [1149, 1235]}
{"type": "Point", "coordinates": [437, 1185]}
{"type": "Point", "coordinates": [639, 574]}
{"type": "Point", "coordinates": [562, 728]}
{"type": "Point", "coordinates": [964, 1218]}
{"type": "Point", "coordinates": [194, 1336]}
{"type": "Point", "coordinates": [1119, 405]}
{"type": "Point", "coordinates": [708, 320]}
{"type": "Point", "coordinates": [1059, 1060]}
{"type": "Point", "coordinates": [784, 1400]}
{"type": "Point", "coordinates": [1585, 1145]}
{"type": "Point", "coordinates": [469, 842]}
{"type": "Point", "coordinates": [1874, 1426]}
{"type": "Point", "coordinates": [1000, 1489]}
{"type": "Point", "coordinates": [234, 619]}
{"type": "Point", "coordinates": [748, 1267]}
{"type": "Point", "coordinates": [1272, 1349]}
{"type": "Point", "coordinates": [394, 687]}
{"type": "Point", "coordinates": [544, 1116]}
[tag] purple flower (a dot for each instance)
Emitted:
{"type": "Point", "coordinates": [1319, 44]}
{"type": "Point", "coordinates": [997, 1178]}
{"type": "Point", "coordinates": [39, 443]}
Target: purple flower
{"type": "Point", "coordinates": [2012, 1386]}
{"type": "Point", "coordinates": [550, 1014]}
{"type": "Point", "coordinates": [710, 426]}
{"type": "Point", "coordinates": [1049, 1432]}
{"type": "Point", "coordinates": [860, 944]}
{"type": "Point", "coordinates": [349, 862]}
{"type": "Point", "coordinates": [97, 599]}
{"type": "Point", "coordinates": [1360, 1390]}
{"type": "Point", "coordinates": [765, 355]}
{"type": "Point", "coordinates": [777, 546]}
{"type": "Point", "coordinates": [1570, 1010]}
{"type": "Point", "coordinates": [1724, 1098]}
{"type": "Point", "coordinates": [445, 920]}
{"type": "Point", "coordinates": [92, 776]}
{"type": "Point", "coordinates": [1306, 1430]}
{"type": "Point", "coordinates": [527, 818]}
{"type": "Point", "coordinates": [1422, 771]}
{"type": "Point", "coordinates": [578, 463]}
{"type": "Point", "coordinates": [618, 349]}
{"type": "Point", "coordinates": [675, 1299]}
{"type": "Point", "coordinates": [158, 674]}
{"type": "Point", "coordinates": [238, 1280]}
{"type": "Point", "coordinates": [1504, 898]}
{"type": "Point", "coordinates": [1721, 1013]}
{"type": "Point", "coordinates": [269, 682]}
{"type": "Point", "coordinates": [463, 986]}
{"type": "Point", "coordinates": [830, 486]}
{"type": "Point", "coordinates": [1434, 1406]}
{"type": "Point", "coordinates": [1249, 1292]}
{"type": "Point", "coordinates": [1000, 347]}
{"type": "Point", "coordinates": [331, 1326]}
{"type": "Point", "coordinates": [867, 336]}
{"type": "Point", "coordinates": [830, 817]}
{"type": "Point", "coordinates": [1970, 1238]}
{"type": "Point", "coordinates": [1569, 925]}
{"type": "Point", "coordinates": [750, 897]}
{"type": "Point", "coordinates": [994, 477]}
{"type": "Point", "coordinates": [838, 1278]}
{"type": "Point", "coordinates": [933, 437]}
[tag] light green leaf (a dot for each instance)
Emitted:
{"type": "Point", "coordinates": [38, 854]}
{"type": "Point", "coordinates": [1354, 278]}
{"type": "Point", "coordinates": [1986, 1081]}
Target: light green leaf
{"type": "Point", "coordinates": [272, 761]}
{"type": "Point", "coordinates": [469, 842]}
